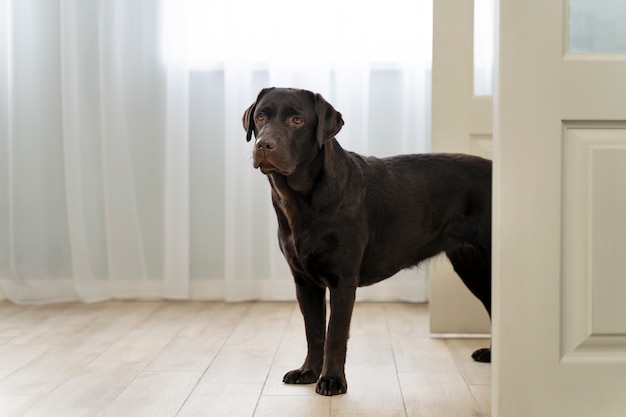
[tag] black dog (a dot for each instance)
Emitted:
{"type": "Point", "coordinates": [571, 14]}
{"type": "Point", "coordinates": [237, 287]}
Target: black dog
{"type": "Point", "coordinates": [347, 220]}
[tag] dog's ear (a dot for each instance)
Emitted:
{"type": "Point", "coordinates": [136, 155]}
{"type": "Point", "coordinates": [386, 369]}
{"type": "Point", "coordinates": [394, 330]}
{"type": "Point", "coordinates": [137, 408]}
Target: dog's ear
{"type": "Point", "coordinates": [329, 120]}
{"type": "Point", "coordinates": [248, 121]}
{"type": "Point", "coordinates": [248, 115]}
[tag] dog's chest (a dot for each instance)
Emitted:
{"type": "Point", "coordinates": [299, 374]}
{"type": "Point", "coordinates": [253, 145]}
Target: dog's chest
{"type": "Point", "coordinates": [309, 246]}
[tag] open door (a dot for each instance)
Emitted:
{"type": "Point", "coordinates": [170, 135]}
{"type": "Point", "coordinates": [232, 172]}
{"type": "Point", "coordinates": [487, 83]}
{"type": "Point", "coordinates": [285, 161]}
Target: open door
{"type": "Point", "coordinates": [461, 122]}
{"type": "Point", "coordinates": [560, 210]}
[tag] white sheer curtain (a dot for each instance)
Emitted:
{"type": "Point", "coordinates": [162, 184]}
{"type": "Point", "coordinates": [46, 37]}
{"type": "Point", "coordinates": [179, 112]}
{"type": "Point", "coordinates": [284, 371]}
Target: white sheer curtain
{"type": "Point", "coordinates": [124, 170]}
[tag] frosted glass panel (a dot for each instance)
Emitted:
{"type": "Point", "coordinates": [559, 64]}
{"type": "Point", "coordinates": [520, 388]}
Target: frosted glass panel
{"type": "Point", "coordinates": [597, 26]}
{"type": "Point", "coordinates": [484, 37]}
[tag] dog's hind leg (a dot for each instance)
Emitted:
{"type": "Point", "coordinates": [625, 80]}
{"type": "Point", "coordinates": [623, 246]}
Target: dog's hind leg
{"type": "Point", "coordinates": [473, 265]}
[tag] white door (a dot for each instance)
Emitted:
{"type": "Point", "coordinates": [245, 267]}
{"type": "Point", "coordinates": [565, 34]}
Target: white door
{"type": "Point", "coordinates": [560, 210]}
{"type": "Point", "coordinates": [461, 122]}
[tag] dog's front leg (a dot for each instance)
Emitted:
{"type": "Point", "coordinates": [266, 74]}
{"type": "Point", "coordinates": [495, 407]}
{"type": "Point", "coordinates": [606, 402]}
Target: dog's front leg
{"type": "Point", "coordinates": [333, 378]}
{"type": "Point", "coordinates": [312, 302]}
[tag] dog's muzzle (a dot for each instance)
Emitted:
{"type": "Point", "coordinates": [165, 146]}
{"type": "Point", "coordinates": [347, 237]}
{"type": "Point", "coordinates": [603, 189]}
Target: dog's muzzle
{"type": "Point", "coordinates": [268, 157]}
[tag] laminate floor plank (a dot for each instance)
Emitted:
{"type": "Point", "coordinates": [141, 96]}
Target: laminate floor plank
{"type": "Point", "coordinates": [64, 412]}
{"type": "Point", "coordinates": [438, 395]}
{"type": "Point", "coordinates": [368, 413]}
{"type": "Point", "coordinates": [475, 373]}
{"type": "Point", "coordinates": [95, 386]}
{"type": "Point", "coordinates": [482, 393]}
{"type": "Point", "coordinates": [307, 406]}
{"type": "Point", "coordinates": [222, 399]}
{"type": "Point", "coordinates": [153, 394]}
{"type": "Point", "coordinates": [192, 359]}
{"type": "Point", "coordinates": [44, 373]}
{"type": "Point", "coordinates": [16, 405]}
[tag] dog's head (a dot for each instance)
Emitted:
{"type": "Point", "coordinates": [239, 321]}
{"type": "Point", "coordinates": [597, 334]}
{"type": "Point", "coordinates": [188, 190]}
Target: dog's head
{"type": "Point", "coordinates": [290, 128]}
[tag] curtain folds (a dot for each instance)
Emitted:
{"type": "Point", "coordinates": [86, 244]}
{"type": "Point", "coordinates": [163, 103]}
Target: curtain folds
{"type": "Point", "coordinates": [125, 175]}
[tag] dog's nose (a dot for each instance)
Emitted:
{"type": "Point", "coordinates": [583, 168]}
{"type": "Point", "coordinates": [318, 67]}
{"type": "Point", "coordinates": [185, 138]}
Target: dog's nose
{"type": "Point", "coordinates": [266, 144]}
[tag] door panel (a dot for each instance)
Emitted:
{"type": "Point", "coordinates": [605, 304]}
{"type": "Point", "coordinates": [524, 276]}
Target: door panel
{"type": "Point", "coordinates": [594, 240]}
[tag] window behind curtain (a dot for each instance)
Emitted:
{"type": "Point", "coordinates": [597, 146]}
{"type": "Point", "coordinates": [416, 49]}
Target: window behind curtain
{"type": "Point", "coordinates": [201, 34]}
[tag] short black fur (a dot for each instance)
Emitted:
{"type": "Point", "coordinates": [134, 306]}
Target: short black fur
{"type": "Point", "coordinates": [347, 220]}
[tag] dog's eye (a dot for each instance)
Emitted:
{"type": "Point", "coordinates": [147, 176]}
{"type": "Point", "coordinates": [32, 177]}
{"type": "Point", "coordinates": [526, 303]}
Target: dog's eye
{"type": "Point", "coordinates": [297, 120]}
{"type": "Point", "coordinates": [260, 117]}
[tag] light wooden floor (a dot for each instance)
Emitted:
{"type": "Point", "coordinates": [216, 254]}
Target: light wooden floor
{"type": "Point", "coordinates": [155, 359]}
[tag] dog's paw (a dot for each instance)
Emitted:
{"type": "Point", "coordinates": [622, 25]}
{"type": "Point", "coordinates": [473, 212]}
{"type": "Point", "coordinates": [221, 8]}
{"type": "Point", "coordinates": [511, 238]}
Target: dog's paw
{"type": "Point", "coordinates": [301, 376]}
{"type": "Point", "coordinates": [331, 386]}
{"type": "Point", "coordinates": [482, 355]}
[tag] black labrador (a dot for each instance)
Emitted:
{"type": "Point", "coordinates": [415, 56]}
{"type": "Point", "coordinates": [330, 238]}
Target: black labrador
{"type": "Point", "coordinates": [346, 220]}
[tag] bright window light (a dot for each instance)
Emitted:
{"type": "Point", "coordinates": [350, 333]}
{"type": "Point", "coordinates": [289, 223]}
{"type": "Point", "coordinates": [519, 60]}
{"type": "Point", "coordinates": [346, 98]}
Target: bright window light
{"type": "Point", "coordinates": [205, 33]}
